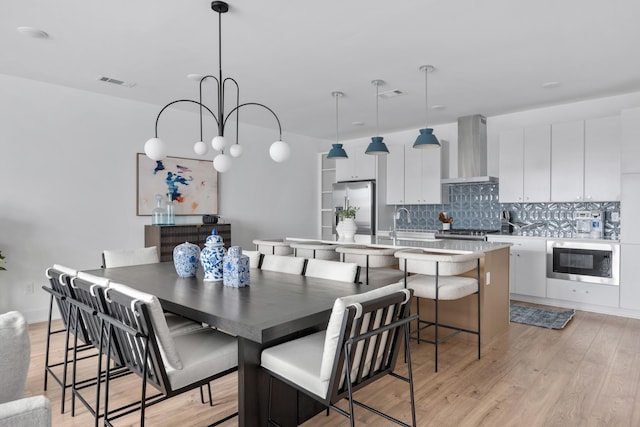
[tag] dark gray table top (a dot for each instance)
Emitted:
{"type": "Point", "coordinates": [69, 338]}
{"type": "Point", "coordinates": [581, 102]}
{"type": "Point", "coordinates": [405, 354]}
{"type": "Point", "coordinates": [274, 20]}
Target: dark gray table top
{"type": "Point", "coordinates": [273, 306]}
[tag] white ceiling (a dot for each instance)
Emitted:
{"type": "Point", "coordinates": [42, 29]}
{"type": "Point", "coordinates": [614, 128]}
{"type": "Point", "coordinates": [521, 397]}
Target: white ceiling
{"type": "Point", "coordinates": [491, 57]}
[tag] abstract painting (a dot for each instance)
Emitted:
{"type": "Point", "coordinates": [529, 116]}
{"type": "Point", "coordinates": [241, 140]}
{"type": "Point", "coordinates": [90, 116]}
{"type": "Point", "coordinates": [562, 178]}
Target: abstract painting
{"type": "Point", "coordinates": [190, 183]}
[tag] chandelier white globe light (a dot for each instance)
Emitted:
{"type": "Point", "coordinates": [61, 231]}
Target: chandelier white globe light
{"type": "Point", "coordinates": [279, 151]}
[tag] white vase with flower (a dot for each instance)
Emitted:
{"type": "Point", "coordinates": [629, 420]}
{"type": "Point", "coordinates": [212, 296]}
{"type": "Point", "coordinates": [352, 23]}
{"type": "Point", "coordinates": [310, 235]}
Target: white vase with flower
{"type": "Point", "coordinates": [347, 227]}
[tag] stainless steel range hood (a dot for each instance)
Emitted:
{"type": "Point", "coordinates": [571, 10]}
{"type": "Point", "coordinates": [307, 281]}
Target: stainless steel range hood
{"type": "Point", "coordinates": [472, 151]}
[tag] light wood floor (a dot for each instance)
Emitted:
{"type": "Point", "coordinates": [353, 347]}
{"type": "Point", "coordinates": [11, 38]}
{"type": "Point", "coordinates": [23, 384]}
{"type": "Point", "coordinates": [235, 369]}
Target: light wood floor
{"type": "Point", "coordinates": [585, 375]}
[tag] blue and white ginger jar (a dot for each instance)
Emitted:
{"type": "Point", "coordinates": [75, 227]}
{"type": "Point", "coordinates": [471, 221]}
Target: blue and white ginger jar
{"type": "Point", "coordinates": [185, 259]}
{"type": "Point", "coordinates": [212, 257]}
{"type": "Point", "coordinates": [236, 268]}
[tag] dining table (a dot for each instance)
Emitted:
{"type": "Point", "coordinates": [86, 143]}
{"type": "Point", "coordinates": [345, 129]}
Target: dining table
{"type": "Point", "coordinates": [274, 308]}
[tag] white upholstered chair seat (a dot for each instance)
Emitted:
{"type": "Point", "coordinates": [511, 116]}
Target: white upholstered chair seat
{"type": "Point", "coordinates": [125, 257]}
{"type": "Point", "coordinates": [273, 246]}
{"type": "Point", "coordinates": [450, 287]}
{"type": "Point", "coordinates": [299, 361]}
{"type": "Point", "coordinates": [332, 270]}
{"type": "Point", "coordinates": [195, 349]}
{"type": "Point", "coordinates": [316, 250]}
{"type": "Point", "coordinates": [283, 264]}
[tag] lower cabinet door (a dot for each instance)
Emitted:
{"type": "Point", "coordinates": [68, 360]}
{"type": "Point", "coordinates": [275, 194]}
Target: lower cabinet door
{"type": "Point", "coordinates": [581, 292]}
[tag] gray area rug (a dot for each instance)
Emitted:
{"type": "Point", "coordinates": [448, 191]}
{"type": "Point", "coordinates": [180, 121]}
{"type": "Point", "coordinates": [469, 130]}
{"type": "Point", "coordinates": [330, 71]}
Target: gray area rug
{"type": "Point", "coordinates": [552, 319]}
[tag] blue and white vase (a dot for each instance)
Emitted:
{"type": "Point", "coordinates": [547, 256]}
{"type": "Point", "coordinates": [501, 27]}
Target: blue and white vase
{"type": "Point", "coordinates": [185, 259]}
{"type": "Point", "coordinates": [236, 268]}
{"type": "Point", "coordinates": [212, 257]}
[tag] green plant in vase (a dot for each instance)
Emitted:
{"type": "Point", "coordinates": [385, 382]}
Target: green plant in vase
{"type": "Point", "coordinates": [349, 212]}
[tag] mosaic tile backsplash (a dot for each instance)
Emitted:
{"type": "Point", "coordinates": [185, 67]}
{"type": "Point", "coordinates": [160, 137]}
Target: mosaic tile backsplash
{"type": "Point", "coordinates": [477, 206]}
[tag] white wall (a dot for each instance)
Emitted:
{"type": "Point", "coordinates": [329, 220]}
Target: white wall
{"type": "Point", "coordinates": [68, 176]}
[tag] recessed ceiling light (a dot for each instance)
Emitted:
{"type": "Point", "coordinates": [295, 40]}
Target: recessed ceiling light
{"type": "Point", "coordinates": [390, 93]}
{"type": "Point", "coordinates": [437, 107]}
{"type": "Point", "coordinates": [550, 85]}
{"type": "Point", "coordinates": [33, 32]}
{"type": "Point", "coordinates": [195, 77]}
{"type": "Point", "coordinates": [115, 81]}
{"type": "Point", "coordinates": [357, 123]}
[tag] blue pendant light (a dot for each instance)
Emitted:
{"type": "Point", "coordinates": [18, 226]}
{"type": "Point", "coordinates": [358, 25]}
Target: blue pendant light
{"type": "Point", "coordinates": [337, 152]}
{"type": "Point", "coordinates": [377, 147]}
{"type": "Point", "coordinates": [426, 139]}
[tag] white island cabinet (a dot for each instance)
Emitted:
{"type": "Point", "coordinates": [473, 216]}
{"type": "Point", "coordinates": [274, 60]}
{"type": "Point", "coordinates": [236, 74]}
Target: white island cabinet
{"type": "Point", "coordinates": [527, 265]}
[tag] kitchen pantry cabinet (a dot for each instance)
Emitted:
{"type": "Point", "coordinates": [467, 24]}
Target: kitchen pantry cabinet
{"type": "Point", "coordinates": [630, 141]}
{"type": "Point", "coordinates": [414, 175]}
{"type": "Point", "coordinates": [525, 165]}
{"type": "Point", "coordinates": [585, 160]}
{"type": "Point", "coordinates": [629, 284]}
{"type": "Point", "coordinates": [527, 269]}
{"type": "Point", "coordinates": [359, 166]}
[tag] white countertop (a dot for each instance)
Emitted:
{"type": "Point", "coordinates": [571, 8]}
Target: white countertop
{"type": "Point", "coordinates": [433, 245]}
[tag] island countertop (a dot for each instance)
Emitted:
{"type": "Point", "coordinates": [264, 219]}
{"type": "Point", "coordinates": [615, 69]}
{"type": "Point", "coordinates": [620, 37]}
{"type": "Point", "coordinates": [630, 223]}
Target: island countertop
{"type": "Point", "coordinates": [434, 245]}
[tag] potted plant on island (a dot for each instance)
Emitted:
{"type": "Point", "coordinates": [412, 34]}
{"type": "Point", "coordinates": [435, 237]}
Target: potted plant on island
{"type": "Point", "coordinates": [347, 227]}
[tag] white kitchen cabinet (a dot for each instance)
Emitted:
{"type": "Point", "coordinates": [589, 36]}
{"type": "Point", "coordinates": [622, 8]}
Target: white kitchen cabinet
{"type": "Point", "coordinates": [582, 292]}
{"type": "Point", "coordinates": [630, 140]}
{"type": "Point", "coordinates": [602, 159]}
{"type": "Point", "coordinates": [629, 283]}
{"type": "Point", "coordinates": [415, 178]}
{"type": "Point", "coordinates": [630, 209]}
{"type": "Point", "coordinates": [525, 165]}
{"type": "Point", "coordinates": [585, 160]}
{"type": "Point", "coordinates": [527, 270]}
{"type": "Point", "coordinates": [359, 166]}
{"type": "Point", "coordinates": [395, 175]}
{"type": "Point", "coordinates": [567, 162]}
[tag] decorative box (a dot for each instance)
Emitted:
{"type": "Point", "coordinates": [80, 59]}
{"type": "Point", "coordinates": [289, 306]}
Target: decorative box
{"type": "Point", "coordinates": [236, 269]}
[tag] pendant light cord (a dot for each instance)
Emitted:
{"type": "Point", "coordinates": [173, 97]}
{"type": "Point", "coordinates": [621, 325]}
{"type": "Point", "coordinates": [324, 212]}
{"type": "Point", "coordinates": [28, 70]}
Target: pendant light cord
{"type": "Point", "coordinates": [377, 111]}
{"type": "Point", "coordinates": [337, 96]}
{"type": "Point", "coordinates": [426, 104]}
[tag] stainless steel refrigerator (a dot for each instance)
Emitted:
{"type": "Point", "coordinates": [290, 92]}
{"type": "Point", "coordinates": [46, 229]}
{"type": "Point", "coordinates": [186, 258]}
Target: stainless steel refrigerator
{"type": "Point", "coordinates": [360, 194]}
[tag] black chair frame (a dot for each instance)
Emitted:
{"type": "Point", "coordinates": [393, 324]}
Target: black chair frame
{"type": "Point", "coordinates": [61, 292]}
{"type": "Point", "coordinates": [397, 334]}
{"type": "Point", "coordinates": [130, 328]}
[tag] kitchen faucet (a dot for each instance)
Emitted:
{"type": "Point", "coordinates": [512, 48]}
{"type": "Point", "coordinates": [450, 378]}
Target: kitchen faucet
{"type": "Point", "coordinates": [396, 217]}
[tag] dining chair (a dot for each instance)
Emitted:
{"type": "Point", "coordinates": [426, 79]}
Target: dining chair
{"type": "Point", "coordinates": [360, 345]}
{"type": "Point", "coordinates": [283, 264]}
{"type": "Point", "coordinates": [15, 357]}
{"type": "Point", "coordinates": [125, 257]}
{"type": "Point", "coordinates": [171, 364]}
{"type": "Point", "coordinates": [367, 256]}
{"type": "Point", "coordinates": [87, 301]}
{"type": "Point", "coordinates": [254, 258]}
{"type": "Point", "coordinates": [333, 270]}
{"type": "Point", "coordinates": [439, 277]}
{"type": "Point", "coordinates": [59, 290]}
{"type": "Point", "coordinates": [317, 250]}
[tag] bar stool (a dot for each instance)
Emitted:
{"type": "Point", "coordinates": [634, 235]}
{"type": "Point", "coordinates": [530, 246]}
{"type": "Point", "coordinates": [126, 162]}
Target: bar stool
{"type": "Point", "coordinates": [273, 247]}
{"type": "Point", "coordinates": [439, 277]}
{"type": "Point", "coordinates": [368, 256]}
{"type": "Point", "coordinates": [317, 250]}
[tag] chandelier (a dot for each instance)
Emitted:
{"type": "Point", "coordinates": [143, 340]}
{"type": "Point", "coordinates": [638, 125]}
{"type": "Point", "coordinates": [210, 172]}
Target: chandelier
{"type": "Point", "coordinates": [155, 148]}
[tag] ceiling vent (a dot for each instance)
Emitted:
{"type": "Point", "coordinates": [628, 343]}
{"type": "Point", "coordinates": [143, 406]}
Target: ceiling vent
{"type": "Point", "coordinates": [390, 94]}
{"type": "Point", "coordinates": [115, 81]}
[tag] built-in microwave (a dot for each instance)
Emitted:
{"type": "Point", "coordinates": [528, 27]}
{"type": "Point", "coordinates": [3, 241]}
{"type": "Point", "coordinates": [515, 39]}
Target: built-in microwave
{"type": "Point", "coordinates": [594, 262]}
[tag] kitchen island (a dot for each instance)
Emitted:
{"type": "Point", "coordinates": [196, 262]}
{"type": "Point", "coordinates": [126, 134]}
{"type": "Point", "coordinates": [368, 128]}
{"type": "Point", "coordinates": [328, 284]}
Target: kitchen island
{"type": "Point", "coordinates": [494, 279]}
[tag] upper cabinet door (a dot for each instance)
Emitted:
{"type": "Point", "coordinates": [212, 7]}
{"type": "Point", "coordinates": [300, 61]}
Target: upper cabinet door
{"type": "Point", "coordinates": [537, 164]}
{"type": "Point", "coordinates": [602, 159]}
{"type": "Point", "coordinates": [630, 157]}
{"type": "Point", "coordinates": [359, 166]}
{"type": "Point", "coordinates": [511, 166]}
{"type": "Point", "coordinates": [395, 175]}
{"type": "Point", "coordinates": [567, 162]}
